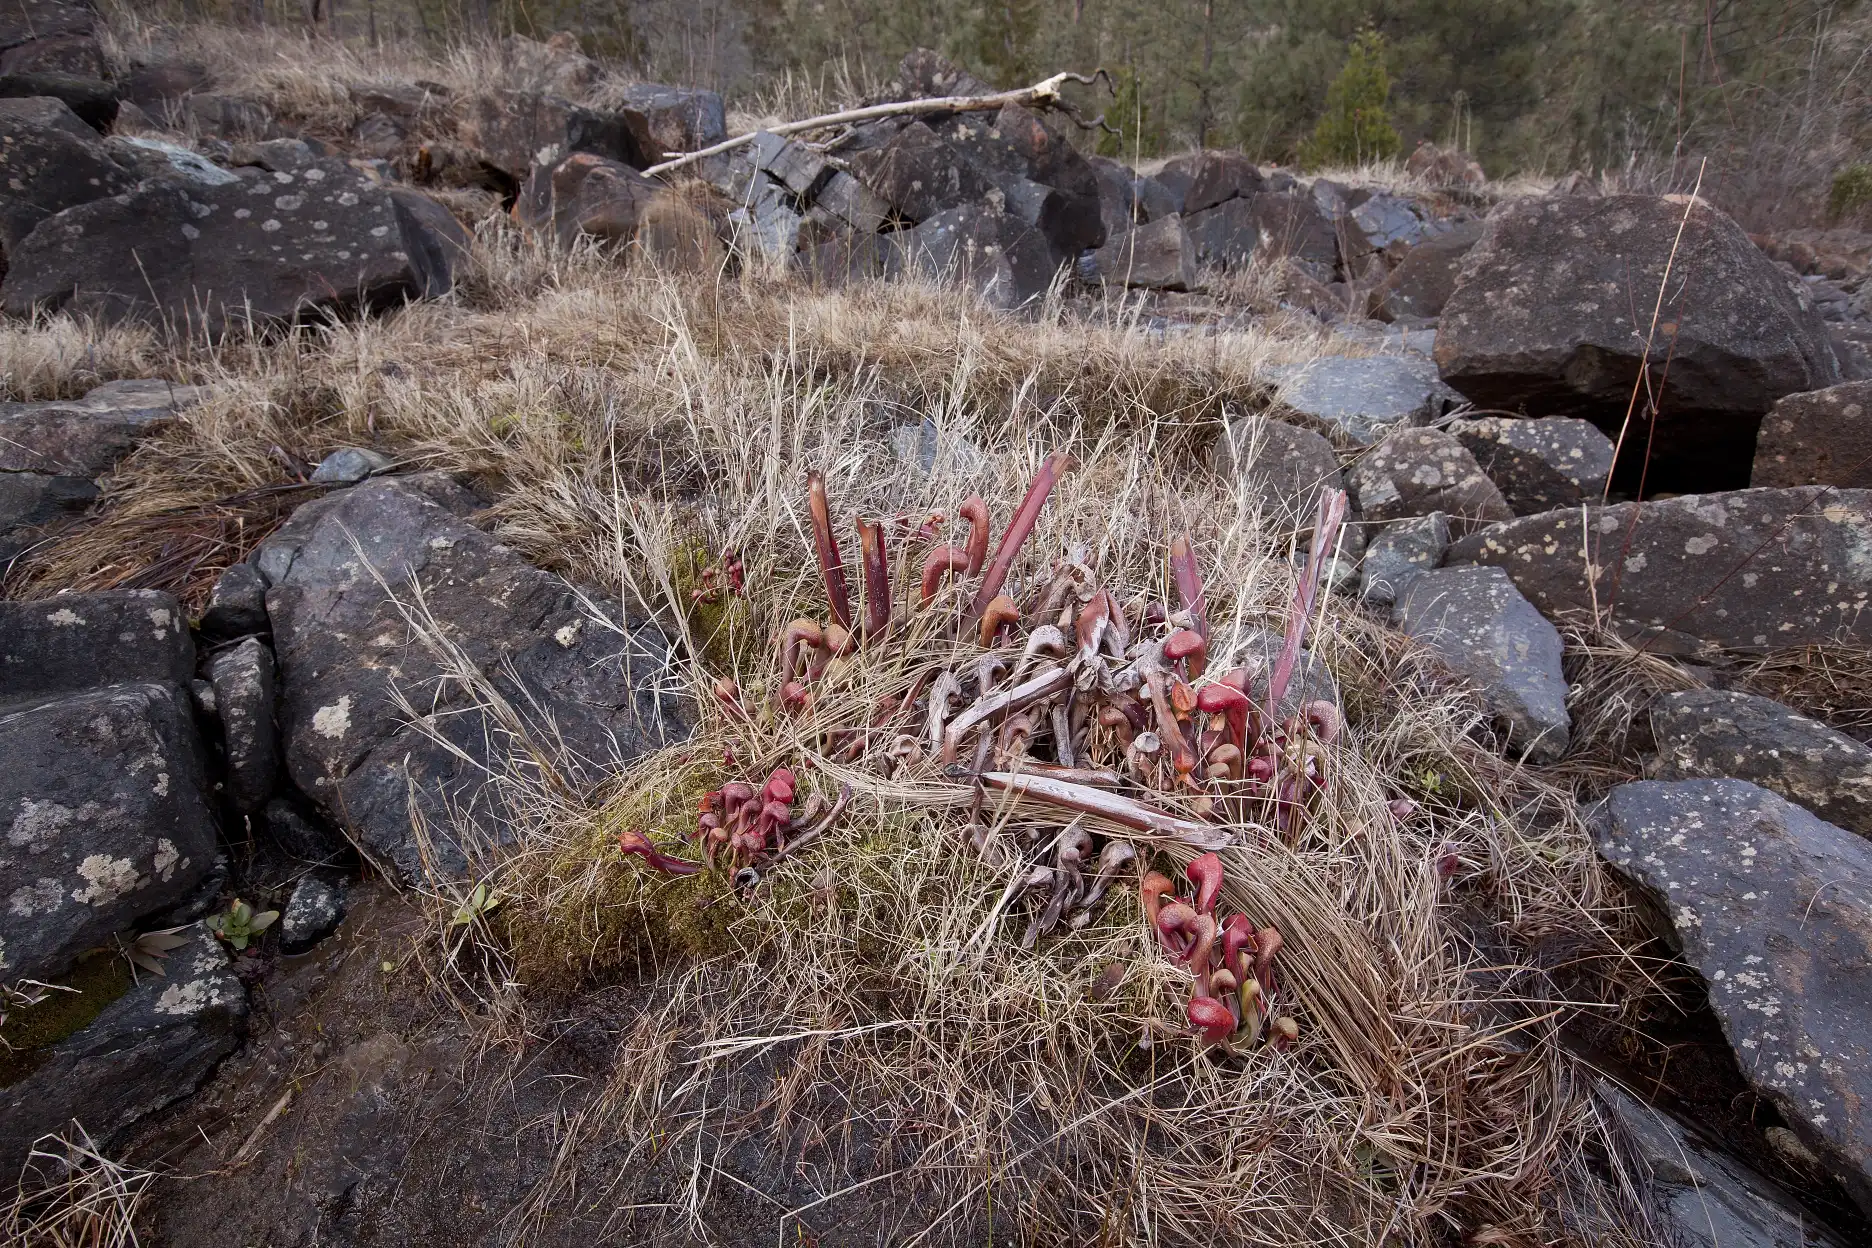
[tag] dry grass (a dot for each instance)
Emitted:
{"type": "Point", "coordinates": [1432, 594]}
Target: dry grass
{"type": "Point", "coordinates": [72, 1196]}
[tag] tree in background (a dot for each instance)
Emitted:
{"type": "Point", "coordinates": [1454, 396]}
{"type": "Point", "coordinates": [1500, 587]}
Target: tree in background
{"type": "Point", "coordinates": [1355, 128]}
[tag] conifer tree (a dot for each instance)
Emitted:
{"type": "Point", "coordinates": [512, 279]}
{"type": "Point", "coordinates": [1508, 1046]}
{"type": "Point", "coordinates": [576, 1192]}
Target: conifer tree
{"type": "Point", "coordinates": [1355, 127]}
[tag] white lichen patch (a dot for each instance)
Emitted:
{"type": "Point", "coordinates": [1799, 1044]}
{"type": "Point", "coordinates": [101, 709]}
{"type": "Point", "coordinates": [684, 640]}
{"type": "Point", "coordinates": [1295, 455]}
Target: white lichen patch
{"type": "Point", "coordinates": [333, 721]}
{"type": "Point", "coordinates": [167, 858]}
{"type": "Point", "coordinates": [40, 897]}
{"type": "Point", "coordinates": [106, 879]}
{"type": "Point", "coordinates": [65, 617]}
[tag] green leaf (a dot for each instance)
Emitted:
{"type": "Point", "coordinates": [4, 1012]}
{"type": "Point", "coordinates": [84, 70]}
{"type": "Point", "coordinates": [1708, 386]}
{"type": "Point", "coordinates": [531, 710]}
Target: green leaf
{"type": "Point", "coordinates": [260, 922]}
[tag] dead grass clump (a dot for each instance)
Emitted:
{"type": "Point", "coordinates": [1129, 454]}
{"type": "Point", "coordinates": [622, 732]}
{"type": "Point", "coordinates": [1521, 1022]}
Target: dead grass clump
{"type": "Point", "coordinates": [61, 357]}
{"type": "Point", "coordinates": [1831, 683]}
{"type": "Point", "coordinates": [72, 1196]}
{"type": "Point", "coordinates": [1613, 685]}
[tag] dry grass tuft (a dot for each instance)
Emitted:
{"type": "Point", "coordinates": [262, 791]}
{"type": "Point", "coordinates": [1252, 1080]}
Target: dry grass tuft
{"type": "Point", "coordinates": [72, 1196]}
{"type": "Point", "coordinates": [1831, 683]}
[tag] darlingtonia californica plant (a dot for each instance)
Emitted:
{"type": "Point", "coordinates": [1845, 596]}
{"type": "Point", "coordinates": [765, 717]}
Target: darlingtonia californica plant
{"type": "Point", "coordinates": [1062, 699]}
{"type": "Point", "coordinates": [1231, 962]}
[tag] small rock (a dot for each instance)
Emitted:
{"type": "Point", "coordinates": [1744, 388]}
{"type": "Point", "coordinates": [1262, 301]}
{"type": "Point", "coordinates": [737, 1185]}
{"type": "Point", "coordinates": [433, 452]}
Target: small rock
{"type": "Point", "coordinates": [103, 792]}
{"type": "Point", "coordinates": [243, 682]}
{"type": "Point", "coordinates": [1744, 569]}
{"type": "Point", "coordinates": [1414, 472]}
{"type": "Point", "coordinates": [1773, 908]}
{"type": "Point", "coordinates": [82, 641]}
{"type": "Point", "coordinates": [1481, 627]}
{"type": "Point", "coordinates": [350, 465]}
{"type": "Point", "coordinates": [85, 437]}
{"type": "Point", "coordinates": [1823, 437]}
{"type": "Point", "coordinates": [304, 838]}
{"type": "Point", "coordinates": [681, 119]}
{"type": "Point", "coordinates": [1282, 468]}
{"type": "Point", "coordinates": [1363, 399]}
{"type": "Point", "coordinates": [149, 1048]}
{"type": "Point", "coordinates": [237, 604]}
{"type": "Point", "coordinates": [1400, 551]}
{"type": "Point", "coordinates": [313, 910]}
{"type": "Point", "coordinates": [1539, 464]}
{"type": "Point", "coordinates": [1708, 733]}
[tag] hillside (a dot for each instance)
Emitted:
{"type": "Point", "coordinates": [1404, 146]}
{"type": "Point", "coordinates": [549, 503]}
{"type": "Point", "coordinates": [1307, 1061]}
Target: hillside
{"type": "Point", "coordinates": [903, 681]}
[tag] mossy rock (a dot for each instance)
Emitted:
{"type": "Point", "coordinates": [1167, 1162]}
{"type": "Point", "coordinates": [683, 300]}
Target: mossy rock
{"type": "Point", "coordinates": [97, 979]}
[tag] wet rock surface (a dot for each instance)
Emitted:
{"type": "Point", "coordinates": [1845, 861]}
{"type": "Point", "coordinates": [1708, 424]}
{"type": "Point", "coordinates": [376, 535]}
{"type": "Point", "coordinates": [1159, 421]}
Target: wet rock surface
{"type": "Point", "coordinates": [1773, 908]}
{"type": "Point", "coordinates": [1748, 569]}
{"type": "Point", "coordinates": [106, 819]}
{"type": "Point", "coordinates": [1710, 733]}
{"type": "Point", "coordinates": [344, 644]}
{"type": "Point", "coordinates": [1482, 628]}
{"type": "Point", "coordinates": [1540, 322]}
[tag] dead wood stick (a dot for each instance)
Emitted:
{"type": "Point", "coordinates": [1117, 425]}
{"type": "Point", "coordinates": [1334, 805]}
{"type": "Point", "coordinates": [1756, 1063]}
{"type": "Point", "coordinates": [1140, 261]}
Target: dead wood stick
{"type": "Point", "coordinates": [1044, 94]}
{"type": "Point", "coordinates": [1104, 804]}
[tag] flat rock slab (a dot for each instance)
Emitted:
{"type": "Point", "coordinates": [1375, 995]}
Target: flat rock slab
{"type": "Point", "coordinates": [1361, 400]}
{"type": "Point", "coordinates": [1773, 908]}
{"type": "Point", "coordinates": [84, 437]}
{"type": "Point", "coordinates": [1711, 732]}
{"type": "Point", "coordinates": [1744, 569]}
{"type": "Point", "coordinates": [1823, 437]}
{"type": "Point", "coordinates": [1482, 628]}
{"type": "Point", "coordinates": [1414, 472]}
{"type": "Point", "coordinates": [105, 820]}
{"type": "Point", "coordinates": [345, 647]}
{"type": "Point", "coordinates": [149, 1048]}
{"type": "Point", "coordinates": [82, 641]}
{"type": "Point", "coordinates": [1541, 321]}
{"type": "Point", "coordinates": [1282, 467]}
{"type": "Point", "coordinates": [1539, 464]}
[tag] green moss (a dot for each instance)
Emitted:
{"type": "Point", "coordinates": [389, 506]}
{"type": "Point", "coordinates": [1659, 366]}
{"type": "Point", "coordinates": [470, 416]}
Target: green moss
{"type": "Point", "coordinates": [723, 628]}
{"type": "Point", "coordinates": [99, 978]}
{"type": "Point", "coordinates": [1851, 192]}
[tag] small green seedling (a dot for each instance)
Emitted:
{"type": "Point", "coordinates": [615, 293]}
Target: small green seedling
{"type": "Point", "coordinates": [480, 903]}
{"type": "Point", "coordinates": [238, 924]}
{"type": "Point", "coordinates": [148, 951]}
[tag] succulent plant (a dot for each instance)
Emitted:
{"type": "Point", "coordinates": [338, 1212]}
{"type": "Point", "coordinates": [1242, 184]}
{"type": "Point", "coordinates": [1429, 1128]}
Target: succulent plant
{"type": "Point", "coordinates": [238, 924]}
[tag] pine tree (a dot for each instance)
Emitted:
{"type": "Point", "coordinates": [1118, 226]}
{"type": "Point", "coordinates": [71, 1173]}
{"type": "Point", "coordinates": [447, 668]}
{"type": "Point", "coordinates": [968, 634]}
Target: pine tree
{"type": "Point", "coordinates": [1130, 116]}
{"type": "Point", "coordinates": [1355, 127]}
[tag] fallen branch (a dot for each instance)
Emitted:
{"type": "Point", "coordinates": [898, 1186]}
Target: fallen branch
{"type": "Point", "coordinates": [1114, 807]}
{"type": "Point", "coordinates": [1045, 94]}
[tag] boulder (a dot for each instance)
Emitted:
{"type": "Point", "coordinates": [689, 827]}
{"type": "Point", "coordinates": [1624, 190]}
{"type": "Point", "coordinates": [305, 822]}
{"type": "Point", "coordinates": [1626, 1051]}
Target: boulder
{"type": "Point", "coordinates": [273, 246]}
{"type": "Point", "coordinates": [82, 641]}
{"type": "Point", "coordinates": [918, 174]}
{"type": "Point", "coordinates": [1696, 1194]}
{"type": "Point", "coordinates": [1017, 153]}
{"type": "Point", "coordinates": [236, 605]}
{"type": "Point", "coordinates": [49, 167]}
{"type": "Point", "coordinates": [1710, 732]}
{"type": "Point", "coordinates": [302, 836]}
{"type": "Point", "coordinates": [768, 222]}
{"type": "Point", "coordinates": [1266, 225]}
{"type": "Point", "coordinates": [87, 95]}
{"type": "Point", "coordinates": [923, 74]}
{"type": "Point", "coordinates": [514, 130]}
{"type": "Point", "coordinates": [789, 162]}
{"type": "Point", "coordinates": [1539, 464]}
{"type": "Point", "coordinates": [1414, 472]}
{"type": "Point", "coordinates": [44, 111]}
{"type": "Point", "coordinates": [85, 437]}
{"type": "Point", "coordinates": [52, 35]}
{"type": "Point", "coordinates": [33, 505]}
{"type": "Point", "coordinates": [437, 244]}
{"type": "Point", "coordinates": [1159, 255]}
{"type": "Point", "coordinates": [1117, 193]}
{"type": "Point", "coordinates": [1773, 909]}
{"type": "Point", "coordinates": [1207, 178]}
{"type": "Point", "coordinates": [147, 158]}
{"type": "Point", "coordinates": [1154, 201]}
{"type": "Point", "coordinates": [850, 204]}
{"type": "Point", "coordinates": [1400, 551]}
{"type": "Point", "coordinates": [1424, 280]}
{"type": "Point", "coordinates": [1823, 437]}
{"type": "Point", "coordinates": [1541, 321]}
{"type": "Point", "coordinates": [1747, 569]}
{"type": "Point", "coordinates": [1282, 468]}
{"type": "Point", "coordinates": [1480, 626]}
{"type": "Point", "coordinates": [244, 693]}
{"type": "Point", "coordinates": [345, 648]}
{"type": "Point", "coordinates": [991, 253]}
{"type": "Point", "coordinates": [584, 194]}
{"type": "Point", "coordinates": [1360, 400]}
{"type": "Point", "coordinates": [229, 118]}
{"type": "Point", "coordinates": [1389, 223]}
{"type": "Point", "coordinates": [107, 822]}
{"type": "Point", "coordinates": [312, 912]}
{"type": "Point", "coordinates": [148, 1048]}
{"type": "Point", "coordinates": [154, 87]}
{"type": "Point", "coordinates": [680, 119]}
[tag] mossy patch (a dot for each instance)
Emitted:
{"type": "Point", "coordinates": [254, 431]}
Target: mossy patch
{"type": "Point", "coordinates": [720, 622]}
{"type": "Point", "coordinates": [98, 978]}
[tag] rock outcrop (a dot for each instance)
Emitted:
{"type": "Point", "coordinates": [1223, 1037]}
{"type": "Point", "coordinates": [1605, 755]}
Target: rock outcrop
{"type": "Point", "coordinates": [1820, 438]}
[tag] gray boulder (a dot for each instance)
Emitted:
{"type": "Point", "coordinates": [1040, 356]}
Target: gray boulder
{"type": "Point", "coordinates": [312, 912]}
{"type": "Point", "coordinates": [1476, 622]}
{"type": "Point", "coordinates": [1400, 551]}
{"type": "Point", "coordinates": [1159, 255]}
{"type": "Point", "coordinates": [583, 194]}
{"type": "Point", "coordinates": [49, 167]}
{"type": "Point", "coordinates": [1282, 467]}
{"type": "Point", "coordinates": [680, 119]}
{"type": "Point", "coordinates": [1541, 320]}
{"type": "Point", "coordinates": [33, 505]}
{"type": "Point", "coordinates": [237, 604]}
{"type": "Point", "coordinates": [1697, 1195]}
{"type": "Point", "coordinates": [85, 437]}
{"type": "Point", "coordinates": [349, 465]}
{"type": "Point", "coordinates": [1773, 908]}
{"type": "Point", "coordinates": [107, 823]}
{"type": "Point", "coordinates": [918, 174]}
{"type": "Point", "coordinates": [1207, 178]}
{"type": "Point", "coordinates": [49, 34]}
{"type": "Point", "coordinates": [274, 246]}
{"type": "Point", "coordinates": [1360, 400]}
{"type": "Point", "coordinates": [1709, 733]}
{"type": "Point", "coordinates": [45, 111]}
{"type": "Point", "coordinates": [1001, 259]}
{"type": "Point", "coordinates": [1820, 438]}
{"type": "Point", "coordinates": [1265, 225]}
{"type": "Point", "coordinates": [1539, 464]}
{"type": "Point", "coordinates": [150, 1047]}
{"type": "Point", "coordinates": [584, 691]}
{"type": "Point", "coordinates": [1414, 472]}
{"type": "Point", "coordinates": [1390, 223]}
{"type": "Point", "coordinates": [83, 641]}
{"type": "Point", "coordinates": [510, 130]}
{"type": "Point", "coordinates": [1745, 569]}
{"type": "Point", "coordinates": [1041, 178]}
{"type": "Point", "coordinates": [165, 161]}
{"type": "Point", "coordinates": [244, 692]}
{"type": "Point", "coordinates": [1425, 279]}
